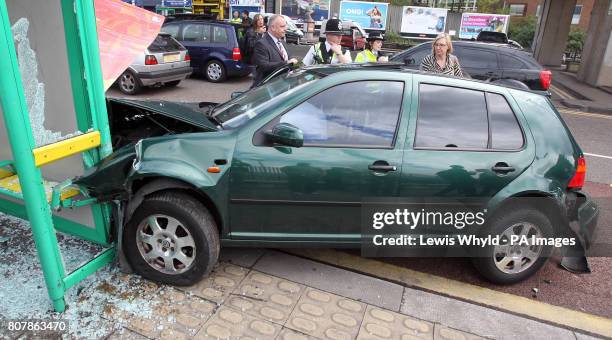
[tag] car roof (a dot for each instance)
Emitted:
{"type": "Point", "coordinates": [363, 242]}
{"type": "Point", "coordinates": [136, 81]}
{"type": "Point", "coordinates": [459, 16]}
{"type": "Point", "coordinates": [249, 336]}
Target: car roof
{"type": "Point", "coordinates": [481, 44]}
{"type": "Point", "coordinates": [330, 69]}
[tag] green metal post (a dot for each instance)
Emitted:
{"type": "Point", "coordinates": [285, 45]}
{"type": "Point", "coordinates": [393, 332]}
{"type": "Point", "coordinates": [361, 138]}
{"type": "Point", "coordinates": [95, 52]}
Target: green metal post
{"type": "Point", "coordinates": [30, 178]}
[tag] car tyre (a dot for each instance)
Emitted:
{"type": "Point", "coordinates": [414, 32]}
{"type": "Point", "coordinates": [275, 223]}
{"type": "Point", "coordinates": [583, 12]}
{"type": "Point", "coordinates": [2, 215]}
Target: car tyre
{"type": "Point", "coordinates": [507, 264]}
{"type": "Point", "coordinates": [129, 83]}
{"type": "Point", "coordinates": [172, 83]}
{"type": "Point", "coordinates": [215, 71]}
{"type": "Point", "coordinates": [172, 239]}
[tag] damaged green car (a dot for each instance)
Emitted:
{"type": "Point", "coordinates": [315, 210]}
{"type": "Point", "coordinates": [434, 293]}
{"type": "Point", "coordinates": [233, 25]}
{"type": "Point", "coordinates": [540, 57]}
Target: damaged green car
{"type": "Point", "coordinates": [290, 163]}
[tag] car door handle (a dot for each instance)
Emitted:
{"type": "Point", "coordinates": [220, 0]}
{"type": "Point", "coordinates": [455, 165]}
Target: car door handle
{"type": "Point", "coordinates": [502, 167]}
{"type": "Point", "coordinates": [382, 167]}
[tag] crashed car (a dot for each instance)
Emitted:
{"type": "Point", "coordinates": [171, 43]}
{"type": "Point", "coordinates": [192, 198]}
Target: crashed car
{"type": "Point", "coordinates": [290, 162]}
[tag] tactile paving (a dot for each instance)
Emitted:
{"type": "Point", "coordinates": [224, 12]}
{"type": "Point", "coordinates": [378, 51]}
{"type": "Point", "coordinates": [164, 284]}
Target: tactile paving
{"type": "Point", "coordinates": [266, 297]}
{"type": "Point", "coordinates": [228, 323]}
{"type": "Point", "coordinates": [290, 334]}
{"type": "Point", "coordinates": [175, 315]}
{"type": "Point", "coordinates": [219, 284]}
{"type": "Point", "coordinates": [445, 333]}
{"type": "Point", "coordinates": [326, 316]}
{"type": "Point", "coordinates": [384, 324]}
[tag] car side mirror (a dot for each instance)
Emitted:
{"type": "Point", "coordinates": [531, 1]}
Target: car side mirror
{"type": "Point", "coordinates": [286, 134]}
{"type": "Point", "coordinates": [236, 94]}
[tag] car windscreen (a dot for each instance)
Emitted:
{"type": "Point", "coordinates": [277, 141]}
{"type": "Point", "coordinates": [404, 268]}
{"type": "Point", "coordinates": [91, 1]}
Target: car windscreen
{"type": "Point", "coordinates": [165, 43]}
{"type": "Point", "coordinates": [240, 110]}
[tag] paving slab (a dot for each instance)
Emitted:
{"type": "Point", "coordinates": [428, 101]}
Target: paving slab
{"type": "Point", "coordinates": [356, 286]}
{"type": "Point", "coordinates": [290, 334]}
{"type": "Point", "coordinates": [218, 286]}
{"type": "Point", "coordinates": [442, 332]}
{"type": "Point", "coordinates": [243, 257]}
{"type": "Point", "coordinates": [380, 324]}
{"type": "Point", "coordinates": [477, 319]}
{"type": "Point", "coordinates": [229, 323]}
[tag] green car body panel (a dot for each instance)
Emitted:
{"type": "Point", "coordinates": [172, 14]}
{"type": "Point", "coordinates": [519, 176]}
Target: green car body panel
{"type": "Point", "coordinates": [280, 196]}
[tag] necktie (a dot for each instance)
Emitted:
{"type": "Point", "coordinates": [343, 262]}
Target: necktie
{"type": "Point", "coordinates": [282, 50]}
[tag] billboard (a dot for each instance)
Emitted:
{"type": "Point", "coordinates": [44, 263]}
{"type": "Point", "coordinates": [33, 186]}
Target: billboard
{"type": "Point", "coordinates": [474, 23]}
{"type": "Point", "coordinates": [423, 21]}
{"type": "Point", "coordinates": [253, 6]}
{"type": "Point", "coordinates": [306, 10]}
{"type": "Point", "coordinates": [176, 3]}
{"type": "Point", "coordinates": [369, 15]}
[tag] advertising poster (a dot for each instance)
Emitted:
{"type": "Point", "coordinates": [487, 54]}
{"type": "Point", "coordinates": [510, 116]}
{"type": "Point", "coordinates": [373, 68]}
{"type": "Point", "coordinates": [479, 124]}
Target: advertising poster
{"type": "Point", "coordinates": [253, 6]}
{"type": "Point", "coordinates": [124, 32]}
{"type": "Point", "coordinates": [306, 10]}
{"type": "Point", "coordinates": [176, 3]}
{"type": "Point", "coordinates": [370, 15]}
{"type": "Point", "coordinates": [474, 23]}
{"type": "Point", "coordinates": [423, 21]}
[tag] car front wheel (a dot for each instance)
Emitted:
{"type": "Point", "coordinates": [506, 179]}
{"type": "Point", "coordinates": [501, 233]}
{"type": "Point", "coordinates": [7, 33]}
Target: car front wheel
{"type": "Point", "coordinates": [511, 262]}
{"type": "Point", "coordinates": [215, 71]}
{"type": "Point", "coordinates": [171, 239]}
{"type": "Point", "coordinates": [129, 83]}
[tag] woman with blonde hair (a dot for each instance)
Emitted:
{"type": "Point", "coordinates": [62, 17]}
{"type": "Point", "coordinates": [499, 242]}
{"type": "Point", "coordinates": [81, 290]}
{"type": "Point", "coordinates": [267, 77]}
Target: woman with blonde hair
{"type": "Point", "coordinates": [441, 60]}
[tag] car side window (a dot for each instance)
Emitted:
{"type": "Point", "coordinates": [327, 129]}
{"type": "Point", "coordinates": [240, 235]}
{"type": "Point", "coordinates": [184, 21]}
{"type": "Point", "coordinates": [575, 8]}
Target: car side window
{"type": "Point", "coordinates": [417, 56]}
{"type": "Point", "coordinates": [476, 58]}
{"type": "Point", "coordinates": [508, 62]}
{"type": "Point", "coordinates": [219, 34]}
{"type": "Point", "coordinates": [451, 117]}
{"type": "Point", "coordinates": [506, 133]}
{"type": "Point", "coordinates": [173, 30]}
{"type": "Point", "coordinates": [367, 117]}
{"type": "Point", "coordinates": [196, 32]}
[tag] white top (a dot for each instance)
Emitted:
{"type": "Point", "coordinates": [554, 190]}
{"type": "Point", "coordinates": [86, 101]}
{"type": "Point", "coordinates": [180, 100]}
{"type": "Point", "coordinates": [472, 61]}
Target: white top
{"type": "Point", "coordinates": [309, 59]}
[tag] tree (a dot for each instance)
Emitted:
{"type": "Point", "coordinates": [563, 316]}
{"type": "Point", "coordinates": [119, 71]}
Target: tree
{"type": "Point", "coordinates": [492, 6]}
{"type": "Point", "coordinates": [522, 30]}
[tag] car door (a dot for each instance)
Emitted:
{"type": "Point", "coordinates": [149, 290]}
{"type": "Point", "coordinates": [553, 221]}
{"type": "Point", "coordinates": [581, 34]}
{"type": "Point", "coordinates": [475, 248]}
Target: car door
{"type": "Point", "coordinates": [352, 150]}
{"type": "Point", "coordinates": [464, 142]}
{"type": "Point", "coordinates": [479, 63]}
{"type": "Point", "coordinates": [196, 38]}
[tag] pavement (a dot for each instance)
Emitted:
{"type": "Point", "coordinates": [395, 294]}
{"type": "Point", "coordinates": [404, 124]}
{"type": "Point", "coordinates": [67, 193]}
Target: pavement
{"type": "Point", "coordinates": [581, 96]}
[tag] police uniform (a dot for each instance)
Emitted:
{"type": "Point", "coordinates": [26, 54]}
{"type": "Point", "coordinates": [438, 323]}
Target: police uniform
{"type": "Point", "coordinates": [367, 55]}
{"type": "Point", "coordinates": [321, 52]}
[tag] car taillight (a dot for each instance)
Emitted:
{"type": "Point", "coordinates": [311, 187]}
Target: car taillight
{"type": "Point", "coordinates": [187, 57]}
{"type": "Point", "coordinates": [545, 79]}
{"type": "Point", "coordinates": [150, 60]}
{"type": "Point", "coordinates": [577, 181]}
{"type": "Point", "coordinates": [236, 54]}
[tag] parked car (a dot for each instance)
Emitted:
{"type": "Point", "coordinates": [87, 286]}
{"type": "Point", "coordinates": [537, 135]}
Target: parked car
{"type": "Point", "coordinates": [488, 61]}
{"type": "Point", "coordinates": [213, 46]}
{"type": "Point", "coordinates": [291, 162]}
{"type": "Point", "coordinates": [491, 36]}
{"type": "Point", "coordinates": [293, 35]}
{"type": "Point", "coordinates": [353, 36]}
{"type": "Point", "coordinates": [165, 61]}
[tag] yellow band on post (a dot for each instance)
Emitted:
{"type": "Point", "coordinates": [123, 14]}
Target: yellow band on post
{"type": "Point", "coordinates": [66, 148]}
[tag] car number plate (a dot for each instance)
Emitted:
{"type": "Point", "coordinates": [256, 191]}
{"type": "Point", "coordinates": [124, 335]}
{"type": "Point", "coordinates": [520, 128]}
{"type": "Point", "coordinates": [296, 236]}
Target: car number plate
{"type": "Point", "coordinates": [170, 58]}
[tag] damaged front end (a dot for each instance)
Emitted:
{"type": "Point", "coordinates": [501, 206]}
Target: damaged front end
{"type": "Point", "coordinates": [582, 216]}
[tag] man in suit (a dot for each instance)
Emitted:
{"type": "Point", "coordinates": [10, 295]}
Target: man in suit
{"type": "Point", "coordinates": [270, 51]}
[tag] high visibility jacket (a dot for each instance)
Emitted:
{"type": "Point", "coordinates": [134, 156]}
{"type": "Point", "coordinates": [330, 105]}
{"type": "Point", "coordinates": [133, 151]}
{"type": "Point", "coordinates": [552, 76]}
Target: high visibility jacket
{"type": "Point", "coordinates": [320, 58]}
{"type": "Point", "coordinates": [366, 56]}
{"type": "Point", "coordinates": [236, 20]}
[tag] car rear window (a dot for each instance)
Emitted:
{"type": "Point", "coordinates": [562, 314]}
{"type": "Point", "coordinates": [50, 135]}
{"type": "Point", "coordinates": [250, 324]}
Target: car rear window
{"type": "Point", "coordinates": [219, 34]}
{"type": "Point", "coordinates": [165, 43]}
{"type": "Point", "coordinates": [476, 58]}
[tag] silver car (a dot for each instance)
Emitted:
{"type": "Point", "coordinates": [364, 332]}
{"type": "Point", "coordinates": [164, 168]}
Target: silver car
{"type": "Point", "coordinates": [165, 61]}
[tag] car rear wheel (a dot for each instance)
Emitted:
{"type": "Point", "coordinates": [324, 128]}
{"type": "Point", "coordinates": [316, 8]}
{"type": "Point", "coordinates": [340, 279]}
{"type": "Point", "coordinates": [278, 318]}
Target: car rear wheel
{"type": "Point", "coordinates": [215, 71]}
{"type": "Point", "coordinates": [511, 262]}
{"type": "Point", "coordinates": [172, 239]}
{"type": "Point", "coordinates": [129, 83]}
{"type": "Point", "coordinates": [172, 83]}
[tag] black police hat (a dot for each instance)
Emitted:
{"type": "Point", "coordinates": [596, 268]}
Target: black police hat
{"type": "Point", "coordinates": [333, 26]}
{"type": "Point", "coordinates": [375, 35]}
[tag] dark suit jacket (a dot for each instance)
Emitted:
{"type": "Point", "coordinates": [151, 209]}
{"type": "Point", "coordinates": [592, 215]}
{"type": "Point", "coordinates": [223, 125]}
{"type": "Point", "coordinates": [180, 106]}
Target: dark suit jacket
{"type": "Point", "coordinates": [267, 57]}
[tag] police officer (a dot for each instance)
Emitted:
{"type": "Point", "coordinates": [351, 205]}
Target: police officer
{"type": "Point", "coordinates": [329, 51]}
{"type": "Point", "coordinates": [236, 19]}
{"type": "Point", "coordinates": [372, 54]}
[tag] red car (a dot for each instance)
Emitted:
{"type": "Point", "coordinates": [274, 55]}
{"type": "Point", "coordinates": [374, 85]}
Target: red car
{"type": "Point", "coordinates": [353, 38]}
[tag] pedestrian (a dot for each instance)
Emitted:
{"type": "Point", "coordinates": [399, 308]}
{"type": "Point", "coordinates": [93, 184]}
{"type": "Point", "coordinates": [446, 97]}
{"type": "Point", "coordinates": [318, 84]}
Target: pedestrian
{"type": "Point", "coordinates": [246, 20]}
{"type": "Point", "coordinates": [329, 51]}
{"type": "Point", "coordinates": [441, 60]}
{"type": "Point", "coordinates": [270, 51]}
{"type": "Point", "coordinates": [236, 18]}
{"type": "Point", "coordinates": [254, 33]}
{"type": "Point", "coordinates": [372, 53]}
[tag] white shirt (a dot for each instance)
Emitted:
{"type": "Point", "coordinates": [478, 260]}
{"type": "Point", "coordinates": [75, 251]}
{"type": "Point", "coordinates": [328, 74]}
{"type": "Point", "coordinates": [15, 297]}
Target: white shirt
{"type": "Point", "coordinates": [279, 44]}
{"type": "Point", "coordinates": [309, 59]}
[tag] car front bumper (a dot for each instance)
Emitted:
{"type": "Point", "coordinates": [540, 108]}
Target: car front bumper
{"type": "Point", "coordinates": [152, 78]}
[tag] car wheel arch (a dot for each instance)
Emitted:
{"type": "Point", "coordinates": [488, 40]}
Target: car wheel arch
{"type": "Point", "coordinates": [546, 203]}
{"type": "Point", "coordinates": [147, 186]}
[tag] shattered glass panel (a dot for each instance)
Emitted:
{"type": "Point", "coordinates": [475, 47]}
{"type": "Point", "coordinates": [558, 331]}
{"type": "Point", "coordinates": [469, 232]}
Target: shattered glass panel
{"type": "Point", "coordinates": [34, 90]}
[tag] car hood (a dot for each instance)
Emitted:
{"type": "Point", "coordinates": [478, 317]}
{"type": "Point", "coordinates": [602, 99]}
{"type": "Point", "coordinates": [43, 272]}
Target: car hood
{"type": "Point", "coordinates": [185, 112]}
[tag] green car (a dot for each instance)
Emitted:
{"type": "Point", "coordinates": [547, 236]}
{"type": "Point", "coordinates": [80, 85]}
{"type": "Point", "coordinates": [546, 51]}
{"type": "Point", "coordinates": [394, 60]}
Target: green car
{"type": "Point", "coordinates": [293, 162]}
